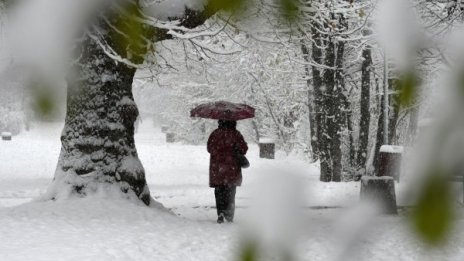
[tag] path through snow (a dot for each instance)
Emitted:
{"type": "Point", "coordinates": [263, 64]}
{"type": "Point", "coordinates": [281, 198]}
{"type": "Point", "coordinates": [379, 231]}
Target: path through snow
{"type": "Point", "coordinates": [100, 229]}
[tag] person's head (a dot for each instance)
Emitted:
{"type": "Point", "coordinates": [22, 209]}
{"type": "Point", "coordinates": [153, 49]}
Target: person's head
{"type": "Point", "coordinates": [227, 124]}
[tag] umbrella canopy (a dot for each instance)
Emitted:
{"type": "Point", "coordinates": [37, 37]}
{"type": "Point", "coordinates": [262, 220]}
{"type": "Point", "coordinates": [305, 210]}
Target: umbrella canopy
{"type": "Point", "coordinates": [222, 110]}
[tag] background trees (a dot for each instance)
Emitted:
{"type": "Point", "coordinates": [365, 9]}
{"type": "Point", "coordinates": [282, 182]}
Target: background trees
{"type": "Point", "coordinates": [315, 75]}
{"type": "Point", "coordinates": [316, 81]}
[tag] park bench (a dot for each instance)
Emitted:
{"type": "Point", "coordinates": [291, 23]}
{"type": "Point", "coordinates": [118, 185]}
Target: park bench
{"type": "Point", "coordinates": [6, 135]}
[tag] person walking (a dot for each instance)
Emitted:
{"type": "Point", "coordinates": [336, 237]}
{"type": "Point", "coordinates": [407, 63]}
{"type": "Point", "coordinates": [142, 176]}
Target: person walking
{"type": "Point", "coordinates": [225, 173]}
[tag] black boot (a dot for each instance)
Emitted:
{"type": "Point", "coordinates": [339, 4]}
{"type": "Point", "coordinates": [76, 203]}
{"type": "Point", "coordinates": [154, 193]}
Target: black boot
{"type": "Point", "coordinates": [220, 219]}
{"type": "Point", "coordinates": [229, 213]}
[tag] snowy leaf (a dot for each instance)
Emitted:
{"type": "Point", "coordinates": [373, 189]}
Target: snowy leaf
{"type": "Point", "coordinates": [361, 13]}
{"type": "Point", "coordinates": [44, 98]}
{"type": "Point", "coordinates": [249, 252]}
{"type": "Point", "coordinates": [289, 9]}
{"type": "Point", "coordinates": [131, 36]}
{"type": "Point", "coordinates": [433, 215]}
{"type": "Point", "coordinates": [231, 6]}
{"type": "Point", "coordinates": [407, 86]}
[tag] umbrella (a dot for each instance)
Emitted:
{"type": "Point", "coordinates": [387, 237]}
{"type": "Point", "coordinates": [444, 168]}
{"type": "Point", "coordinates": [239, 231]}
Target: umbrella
{"type": "Point", "coordinates": [222, 110]}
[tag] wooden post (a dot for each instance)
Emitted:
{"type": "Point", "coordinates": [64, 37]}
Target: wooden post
{"type": "Point", "coordinates": [6, 135]}
{"type": "Point", "coordinates": [266, 148]}
{"type": "Point", "coordinates": [381, 190]}
{"type": "Point", "coordinates": [390, 161]}
{"type": "Point", "coordinates": [170, 137]}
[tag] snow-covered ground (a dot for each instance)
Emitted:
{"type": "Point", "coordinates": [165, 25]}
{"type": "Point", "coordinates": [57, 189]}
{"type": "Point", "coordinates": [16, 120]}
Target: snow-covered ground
{"type": "Point", "coordinates": [113, 229]}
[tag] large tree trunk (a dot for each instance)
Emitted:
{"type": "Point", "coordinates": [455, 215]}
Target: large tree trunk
{"type": "Point", "coordinates": [315, 97]}
{"type": "Point", "coordinates": [333, 109]}
{"type": "Point", "coordinates": [98, 153]}
{"type": "Point", "coordinates": [98, 146]}
{"type": "Point", "coordinates": [311, 103]}
{"type": "Point", "coordinates": [365, 109]}
{"type": "Point", "coordinates": [328, 127]}
{"type": "Point", "coordinates": [338, 111]}
{"type": "Point", "coordinates": [319, 123]}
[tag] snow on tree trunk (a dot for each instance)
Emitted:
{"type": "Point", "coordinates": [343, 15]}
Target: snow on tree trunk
{"type": "Point", "coordinates": [98, 153]}
{"type": "Point", "coordinates": [332, 107]}
{"type": "Point", "coordinates": [98, 137]}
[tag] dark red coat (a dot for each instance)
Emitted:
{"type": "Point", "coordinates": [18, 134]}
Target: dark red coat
{"type": "Point", "coordinates": [224, 168]}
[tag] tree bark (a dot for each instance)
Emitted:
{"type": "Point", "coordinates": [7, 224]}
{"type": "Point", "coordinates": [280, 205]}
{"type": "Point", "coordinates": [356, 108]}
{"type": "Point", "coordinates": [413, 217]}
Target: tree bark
{"type": "Point", "coordinates": [315, 97]}
{"type": "Point", "coordinates": [394, 110]}
{"type": "Point", "coordinates": [338, 111]}
{"type": "Point", "coordinates": [316, 49]}
{"type": "Point", "coordinates": [98, 153]}
{"type": "Point", "coordinates": [333, 108]}
{"type": "Point", "coordinates": [365, 109]}
{"type": "Point", "coordinates": [379, 138]}
{"type": "Point", "coordinates": [349, 126]}
{"type": "Point", "coordinates": [392, 124]}
{"type": "Point", "coordinates": [311, 104]}
{"type": "Point", "coordinates": [328, 127]}
{"type": "Point", "coordinates": [98, 137]}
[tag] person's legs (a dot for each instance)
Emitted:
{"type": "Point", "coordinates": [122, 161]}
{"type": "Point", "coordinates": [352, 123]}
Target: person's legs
{"type": "Point", "coordinates": [219, 193]}
{"type": "Point", "coordinates": [229, 199]}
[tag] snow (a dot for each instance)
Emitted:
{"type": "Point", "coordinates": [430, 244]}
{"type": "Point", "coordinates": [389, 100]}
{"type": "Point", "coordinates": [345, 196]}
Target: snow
{"type": "Point", "coordinates": [399, 36]}
{"type": "Point", "coordinates": [92, 229]}
{"type": "Point", "coordinates": [102, 228]}
{"type": "Point", "coordinates": [365, 179]}
{"type": "Point", "coordinates": [423, 123]}
{"type": "Point", "coordinates": [375, 177]}
{"type": "Point", "coordinates": [391, 149]}
{"type": "Point", "coordinates": [126, 101]}
{"type": "Point", "coordinates": [165, 9]}
{"type": "Point", "coordinates": [42, 32]}
{"type": "Point", "coordinates": [131, 163]}
{"type": "Point", "coordinates": [266, 140]}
